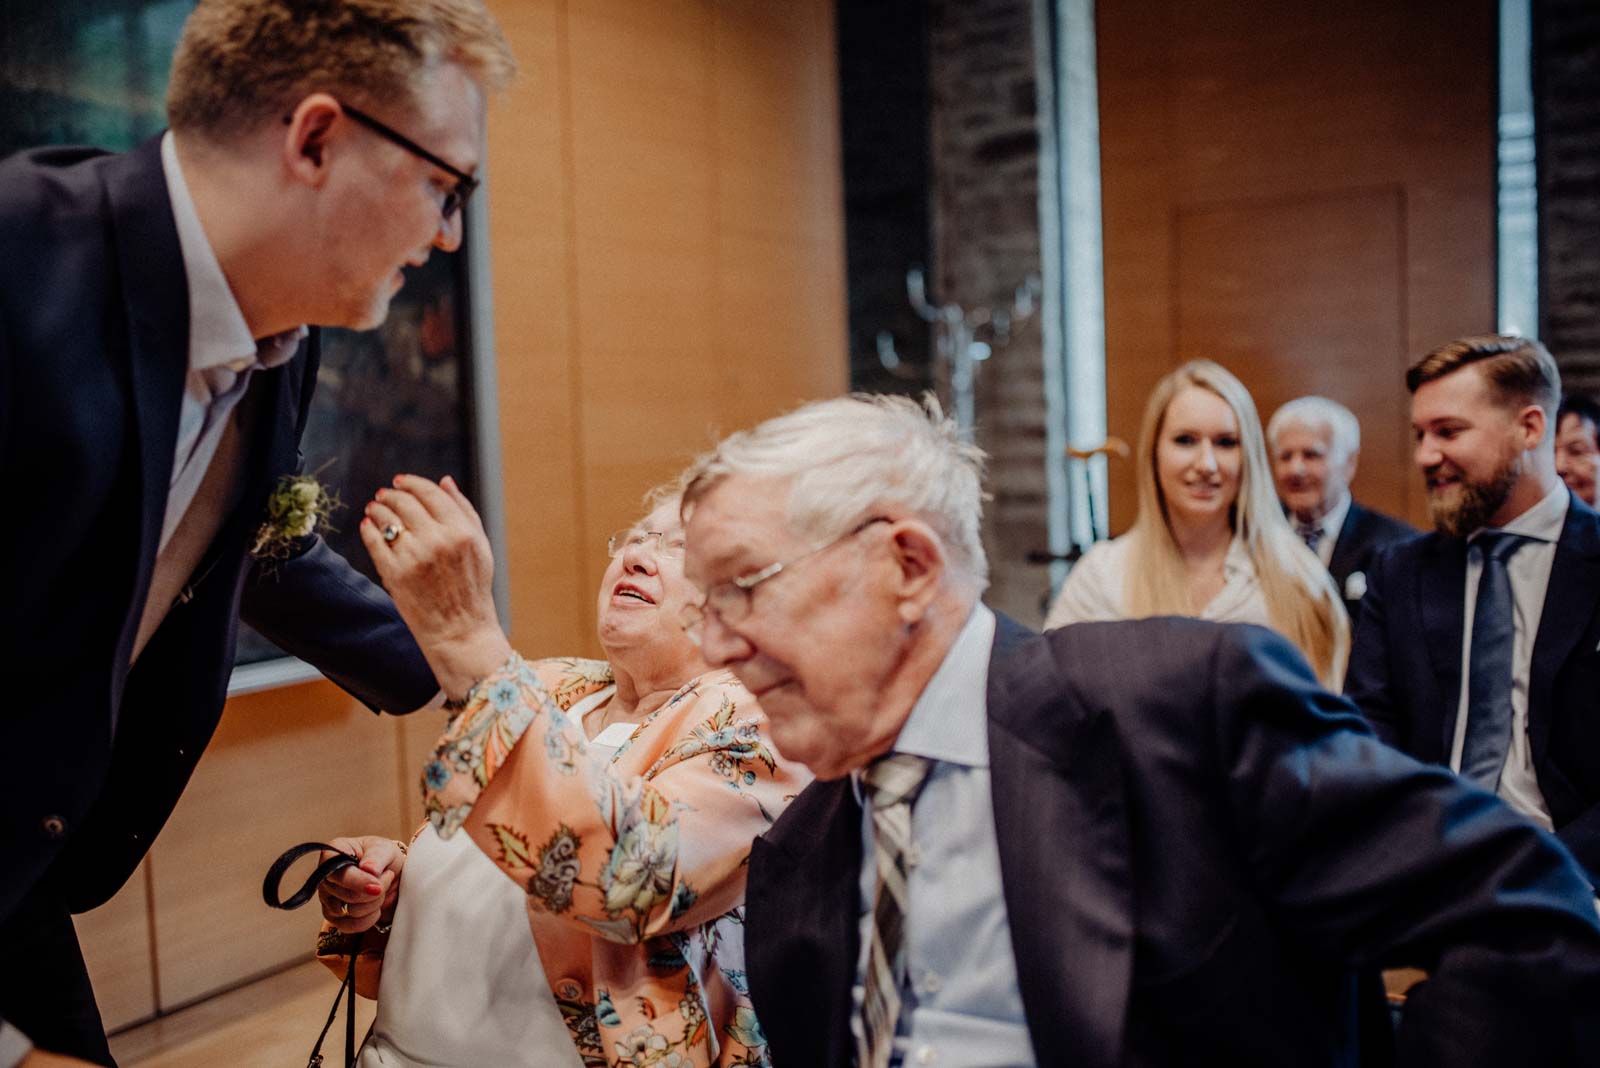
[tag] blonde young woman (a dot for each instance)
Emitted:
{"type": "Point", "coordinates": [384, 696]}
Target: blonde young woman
{"type": "Point", "coordinates": [1210, 540]}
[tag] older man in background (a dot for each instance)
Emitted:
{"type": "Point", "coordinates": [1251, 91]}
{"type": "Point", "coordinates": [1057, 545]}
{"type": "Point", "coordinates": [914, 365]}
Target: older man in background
{"type": "Point", "coordinates": [1578, 446]}
{"type": "Point", "coordinates": [157, 373]}
{"type": "Point", "coordinates": [1152, 842]}
{"type": "Point", "coordinates": [1316, 444]}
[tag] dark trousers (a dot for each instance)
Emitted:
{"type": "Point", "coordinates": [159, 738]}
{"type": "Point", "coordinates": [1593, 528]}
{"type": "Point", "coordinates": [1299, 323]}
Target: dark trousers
{"type": "Point", "coordinates": [44, 987]}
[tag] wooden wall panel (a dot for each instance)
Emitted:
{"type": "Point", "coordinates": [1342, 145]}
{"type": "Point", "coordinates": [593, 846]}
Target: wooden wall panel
{"type": "Point", "coordinates": [1204, 108]}
{"type": "Point", "coordinates": [116, 947]}
{"type": "Point", "coordinates": [1307, 294]}
{"type": "Point", "coordinates": [531, 246]}
{"type": "Point", "coordinates": [287, 766]}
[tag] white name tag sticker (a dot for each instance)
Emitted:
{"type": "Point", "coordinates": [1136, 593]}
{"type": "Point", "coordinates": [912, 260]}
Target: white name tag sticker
{"type": "Point", "coordinates": [614, 735]}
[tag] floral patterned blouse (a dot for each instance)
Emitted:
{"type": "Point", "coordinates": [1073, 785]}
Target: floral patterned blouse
{"type": "Point", "coordinates": [634, 863]}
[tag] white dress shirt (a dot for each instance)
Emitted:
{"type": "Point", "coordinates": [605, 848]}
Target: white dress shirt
{"type": "Point", "coordinates": [1529, 568]}
{"type": "Point", "coordinates": [1330, 524]}
{"type": "Point", "coordinates": [964, 1008]}
{"type": "Point", "coordinates": [1095, 585]}
{"type": "Point", "coordinates": [222, 354]}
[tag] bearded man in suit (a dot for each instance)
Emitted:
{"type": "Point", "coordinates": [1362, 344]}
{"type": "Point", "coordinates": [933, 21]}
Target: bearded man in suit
{"type": "Point", "coordinates": [155, 374]}
{"type": "Point", "coordinates": [1150, 842]}
{"type": "Point", "coordinates": [1316, 444]}
{"type": "Point", "coordinates": [1479, 644]}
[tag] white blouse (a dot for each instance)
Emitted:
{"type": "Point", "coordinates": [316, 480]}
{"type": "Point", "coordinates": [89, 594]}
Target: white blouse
{"type": "Point", "coordinates": [462, 986]}
{"type": "Point", "coordinates": [1094, 588]}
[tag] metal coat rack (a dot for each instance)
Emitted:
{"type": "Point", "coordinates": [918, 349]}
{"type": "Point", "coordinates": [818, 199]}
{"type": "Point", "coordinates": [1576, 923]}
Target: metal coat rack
{"type": "Point", "coordinates": [963, 338]}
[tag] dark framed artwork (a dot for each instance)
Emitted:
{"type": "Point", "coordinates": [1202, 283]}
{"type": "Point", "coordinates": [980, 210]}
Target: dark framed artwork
{"type": "Point", "coordinates": [401, 398]}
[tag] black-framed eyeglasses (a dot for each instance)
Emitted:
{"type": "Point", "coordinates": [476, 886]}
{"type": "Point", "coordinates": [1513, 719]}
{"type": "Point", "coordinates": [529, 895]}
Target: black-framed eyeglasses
{"type": "Point", "coordinates": [730, 601]}
{"type": "Point", "coordinates": [456, 198]}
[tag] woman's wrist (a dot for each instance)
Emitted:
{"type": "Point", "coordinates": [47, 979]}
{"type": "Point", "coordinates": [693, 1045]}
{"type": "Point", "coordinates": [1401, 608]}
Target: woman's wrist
{"type": "Point", "coordinates": [460, 664]}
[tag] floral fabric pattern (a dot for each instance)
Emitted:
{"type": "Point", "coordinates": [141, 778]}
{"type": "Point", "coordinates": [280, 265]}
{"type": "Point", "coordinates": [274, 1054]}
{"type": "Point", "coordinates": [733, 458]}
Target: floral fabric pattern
{"type": "Point", "coordinates": [634, 865]}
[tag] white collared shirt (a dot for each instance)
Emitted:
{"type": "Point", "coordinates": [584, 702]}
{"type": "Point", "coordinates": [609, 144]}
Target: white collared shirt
{"type": "Point", "coordinates": [964, 1006]}
{"type": "Point", "coordinates": [222, 353]}
{"type": "Point", "coordinates": [1330, 524]}
{"type": "Point", "coordinates": [1529, 568]}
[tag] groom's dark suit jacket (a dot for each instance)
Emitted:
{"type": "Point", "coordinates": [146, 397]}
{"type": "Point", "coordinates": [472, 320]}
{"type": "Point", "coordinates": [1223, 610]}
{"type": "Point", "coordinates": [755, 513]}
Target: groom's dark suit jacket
{"type": "Point", "coordinates": [1405, 669]}
{"type": "Point", "coordinates": [1197, 845]}
{"type": "Point", "coordinates": [94, 329]}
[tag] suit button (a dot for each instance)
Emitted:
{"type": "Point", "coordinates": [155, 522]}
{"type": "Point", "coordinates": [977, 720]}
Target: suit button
{"type": "Point", "coordinates": [926, 1055]}
{"type": "Point", "coordinates": [53, 826]}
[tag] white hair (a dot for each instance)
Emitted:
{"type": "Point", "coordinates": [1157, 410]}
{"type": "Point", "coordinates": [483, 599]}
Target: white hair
{"type": "Point", "coordinates": [1321, 414]}
{"type": "Point", "coordinates": [851, 457]}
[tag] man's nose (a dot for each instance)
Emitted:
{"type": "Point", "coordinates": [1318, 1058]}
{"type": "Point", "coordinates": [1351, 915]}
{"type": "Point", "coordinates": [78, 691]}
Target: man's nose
{"type": "Point", "coordinates": [1426, 453]}
{"type": "Point", "coordinates": [448, 237]}
{"type": "Point", "coordinates": [720, 644]}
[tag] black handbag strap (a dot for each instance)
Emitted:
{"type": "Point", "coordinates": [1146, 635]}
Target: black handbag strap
{"type": "Point", "coordinates": [270, 893]}
{"type": "Point", "coordinates": [272, 885]}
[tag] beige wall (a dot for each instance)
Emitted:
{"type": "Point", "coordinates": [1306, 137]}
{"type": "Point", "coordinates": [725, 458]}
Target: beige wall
{"type": "Point", "coordinates": [667, 263]}
{"type": "Point", "coordinates": [1302, 191]}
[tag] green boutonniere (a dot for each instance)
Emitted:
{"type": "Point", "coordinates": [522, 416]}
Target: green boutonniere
{"type": "Point", "coordinates": [297, 508]}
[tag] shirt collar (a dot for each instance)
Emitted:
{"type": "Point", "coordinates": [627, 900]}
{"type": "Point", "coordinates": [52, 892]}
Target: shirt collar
{"type": "Point", "coordinates": [218, 333]}
{"type": "Point", "coordinates": [1332, 520]}
{"type": "Point", "coordinates": [1542, 522]}
{"type": "Point", "coordinates": [947, 722]}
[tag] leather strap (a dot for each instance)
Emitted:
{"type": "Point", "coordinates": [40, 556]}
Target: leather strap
{"type": "Point", "coordinates": [272, 885]}
{"type": "Point", "coordinates": [270, 893]}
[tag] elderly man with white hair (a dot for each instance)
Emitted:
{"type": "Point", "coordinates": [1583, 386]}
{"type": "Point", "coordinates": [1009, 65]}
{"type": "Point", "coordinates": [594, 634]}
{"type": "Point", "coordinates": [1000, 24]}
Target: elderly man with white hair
{"type": "Point", "coordinates": [1149, 842]}
{"type": "Point", "coordinates": [1315, 445]}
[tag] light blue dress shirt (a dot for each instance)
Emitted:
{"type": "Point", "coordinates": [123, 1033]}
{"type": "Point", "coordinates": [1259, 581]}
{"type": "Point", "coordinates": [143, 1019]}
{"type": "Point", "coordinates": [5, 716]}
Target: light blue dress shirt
{"type": "Point", "coordinates": [964, 1007]}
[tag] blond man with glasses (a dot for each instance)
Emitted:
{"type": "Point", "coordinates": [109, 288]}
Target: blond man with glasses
{"type": "Point", "coordinates": [156, 369]}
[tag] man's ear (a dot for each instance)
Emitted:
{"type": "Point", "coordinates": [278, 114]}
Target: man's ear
{"type": "Point", "coordinates": [1532, 424]}
{"type": "Point", "coordinates": [1350, 463]}
{"type": "Point", "coordinates": [920, 562]}
{"type": "Point", "coordinates": [308, 133]}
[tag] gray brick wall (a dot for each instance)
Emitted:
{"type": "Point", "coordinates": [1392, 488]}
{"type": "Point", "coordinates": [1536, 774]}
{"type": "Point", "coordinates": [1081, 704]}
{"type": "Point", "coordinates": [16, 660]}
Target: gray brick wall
{"type": "Point", "coordinates": [1567, 108]}
{"type": "Point", "coordinates": [985, 221]}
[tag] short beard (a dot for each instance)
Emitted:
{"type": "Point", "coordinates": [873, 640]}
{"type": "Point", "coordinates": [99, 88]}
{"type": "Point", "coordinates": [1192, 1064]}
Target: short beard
{"type": "Point", "coordinates": [1477, 501]}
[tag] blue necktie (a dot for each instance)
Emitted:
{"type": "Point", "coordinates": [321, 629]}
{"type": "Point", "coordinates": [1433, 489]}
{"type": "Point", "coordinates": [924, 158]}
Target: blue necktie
{"type": "Point", "coordinates": [1488, 739]}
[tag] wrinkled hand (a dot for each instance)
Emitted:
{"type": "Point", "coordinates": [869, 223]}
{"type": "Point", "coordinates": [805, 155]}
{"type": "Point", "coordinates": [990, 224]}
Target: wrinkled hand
{"type": "Point", "coordinates": [440, 572]}
{"type": "Point", "coordinates": [353, 899]}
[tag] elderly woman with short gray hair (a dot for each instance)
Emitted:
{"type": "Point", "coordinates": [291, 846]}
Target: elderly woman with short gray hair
{"type": "Point", "coordinates": [620, 796]}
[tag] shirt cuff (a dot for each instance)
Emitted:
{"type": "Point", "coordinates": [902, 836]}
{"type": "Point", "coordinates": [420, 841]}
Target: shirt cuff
{"type": "Point", "coordinates": [14, 1046]}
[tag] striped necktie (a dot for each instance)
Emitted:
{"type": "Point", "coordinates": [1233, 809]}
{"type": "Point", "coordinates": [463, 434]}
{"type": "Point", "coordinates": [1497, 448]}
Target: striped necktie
{"type": "Point", "coordinates": [891, 785]}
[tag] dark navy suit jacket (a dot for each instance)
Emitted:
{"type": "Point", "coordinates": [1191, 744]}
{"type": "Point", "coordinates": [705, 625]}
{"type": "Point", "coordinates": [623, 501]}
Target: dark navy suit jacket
{"type": "Point", "coordinates": [1405, 669]}
{"type": "Point", "coordinates": [1197, 846]}
{"type": "Point", "coordinates": [94, 328]}
{"type": "Point", "coordinates": [1364, 532]}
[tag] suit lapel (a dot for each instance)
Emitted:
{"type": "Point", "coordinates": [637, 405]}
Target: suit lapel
{"type": "Point", "coordinates": [1346, 546]}
{"type": "Point", "coordinates": [1569, 604]}
{"type": "Point", "coordinates": [1441, 606]}
{"type": "Point", "coordinates": [156, 309]}
{"type": "Point", "coordinates": [1065, 861]}
{"type": "Point", "coordinates": [802, 932]}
